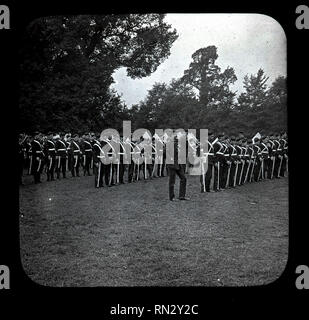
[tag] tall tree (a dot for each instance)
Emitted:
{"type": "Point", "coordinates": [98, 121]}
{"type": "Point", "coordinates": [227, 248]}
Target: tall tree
{"type": "Point", "coordinates": [255, 95]}
{"type": "Point", "coordinates": [205, 76]}
{"type": "Point", "coordinates": [67, 64]}
{"type": "Point", "coordinates": [260, 107]}
{"type": "Point", "coordinates": [276, 109]}
{"type": "Point", "coordinates": [277, 93]}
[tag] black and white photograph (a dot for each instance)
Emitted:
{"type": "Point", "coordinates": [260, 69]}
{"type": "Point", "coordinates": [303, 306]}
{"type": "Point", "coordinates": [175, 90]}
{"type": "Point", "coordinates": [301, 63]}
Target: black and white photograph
{"type": "Point", "coordinates": [153, 150]}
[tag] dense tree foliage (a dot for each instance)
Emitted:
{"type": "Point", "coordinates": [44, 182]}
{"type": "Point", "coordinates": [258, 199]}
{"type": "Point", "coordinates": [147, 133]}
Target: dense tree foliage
{"type": "Point", "coordinates": [205, 76]}
{"type": "Point", "coordinates": [67, 65]}
{"type": "Point", "coordinates": [66, 70]}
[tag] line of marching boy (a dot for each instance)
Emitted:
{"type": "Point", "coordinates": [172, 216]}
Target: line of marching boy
{"type": "Point", "coordinates": [228, 161]}
{"type": "Point", "coordinates": [234, 161]}
{"type": "Point", "coordinates": [56, 155]}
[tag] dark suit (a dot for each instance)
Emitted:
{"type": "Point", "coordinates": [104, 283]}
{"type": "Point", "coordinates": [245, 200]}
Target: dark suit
{"type": "Point", "coordinates": [179, 170]}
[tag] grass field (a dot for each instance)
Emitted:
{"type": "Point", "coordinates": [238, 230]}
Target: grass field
{"type": "Point", "coordinates": [131, 235]}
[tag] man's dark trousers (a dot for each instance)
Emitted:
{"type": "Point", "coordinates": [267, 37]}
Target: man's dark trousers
{"type": "Point", "coordinates": [180, 171]}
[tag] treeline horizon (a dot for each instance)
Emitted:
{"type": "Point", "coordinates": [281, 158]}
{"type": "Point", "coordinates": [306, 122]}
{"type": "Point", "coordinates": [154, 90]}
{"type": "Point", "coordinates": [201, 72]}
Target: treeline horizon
{"type": "Point", "coordinates": [66, 76]}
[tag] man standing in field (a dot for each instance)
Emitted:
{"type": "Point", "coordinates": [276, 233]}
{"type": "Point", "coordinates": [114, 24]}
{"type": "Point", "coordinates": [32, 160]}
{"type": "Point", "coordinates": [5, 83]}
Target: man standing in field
{"type": "Point", "coordinates": [175, 166]}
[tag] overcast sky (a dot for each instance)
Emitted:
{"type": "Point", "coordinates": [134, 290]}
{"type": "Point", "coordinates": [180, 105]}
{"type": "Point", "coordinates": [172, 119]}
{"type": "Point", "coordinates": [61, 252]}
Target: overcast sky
{"type": "Point", "coordinates": [245, 42]}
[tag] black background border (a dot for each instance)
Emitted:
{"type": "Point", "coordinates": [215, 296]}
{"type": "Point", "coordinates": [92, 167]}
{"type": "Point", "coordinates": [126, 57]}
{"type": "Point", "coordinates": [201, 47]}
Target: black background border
{"type": "Point", "coordinates": [279, 295]}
